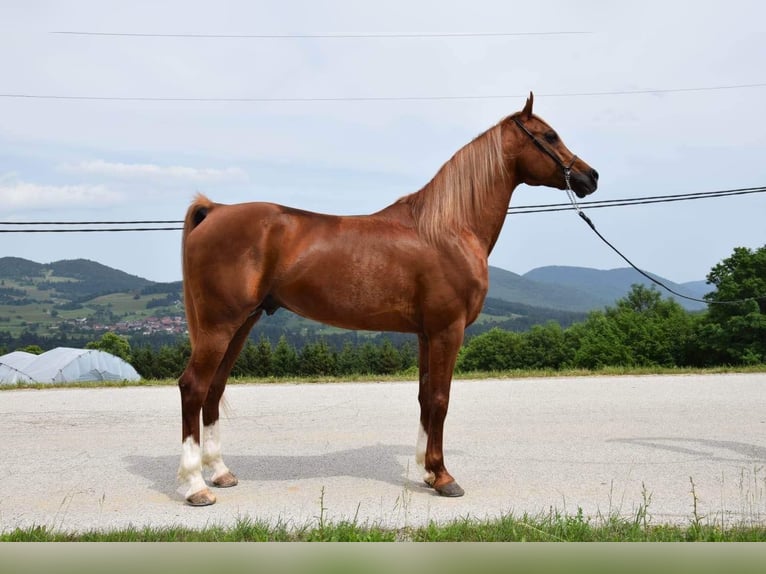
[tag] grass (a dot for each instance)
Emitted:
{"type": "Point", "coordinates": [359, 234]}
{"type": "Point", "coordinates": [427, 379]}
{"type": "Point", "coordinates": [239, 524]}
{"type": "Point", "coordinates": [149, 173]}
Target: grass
{"type": "Point", "coordinates": [550, 527]}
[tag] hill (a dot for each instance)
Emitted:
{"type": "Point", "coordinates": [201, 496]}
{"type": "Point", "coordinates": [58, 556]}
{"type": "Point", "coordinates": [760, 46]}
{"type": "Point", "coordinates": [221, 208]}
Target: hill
{"type": "Point", "coordinates": [90, 279]}
{"type": "Point", "coordinates": [81, 298]}
{"type": "Point", "coordinates": [18, 268]}
{"type": "Point", "coordinates": [509, 286]}
{"type": "Point", "coordinates": [604, 287]}
{"type": "Point", "coordinates": [77, 297]}
{"type": "Point", "coordinates": [71, 279]}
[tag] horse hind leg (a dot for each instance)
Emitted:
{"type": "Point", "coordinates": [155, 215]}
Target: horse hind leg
{"type": "Point", "coordinates": [194, 385]}
{"type": "Point", "coordinates": [212, 457]}
{"type": "Point", "coordinates": [201, 386]}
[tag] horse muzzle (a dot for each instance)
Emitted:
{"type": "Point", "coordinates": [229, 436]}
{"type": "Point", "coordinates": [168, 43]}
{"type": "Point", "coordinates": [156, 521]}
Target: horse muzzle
{"type": "Point", "coordinates": [584, 182]}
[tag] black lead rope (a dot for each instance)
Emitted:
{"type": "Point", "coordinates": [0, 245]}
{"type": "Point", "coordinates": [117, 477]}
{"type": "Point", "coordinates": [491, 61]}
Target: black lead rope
{"type": "Point", "coordinates": [567, 173]}
{"type": "Point", "coordinates": [587, 220]}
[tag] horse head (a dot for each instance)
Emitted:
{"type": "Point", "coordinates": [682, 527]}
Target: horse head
{"type": "Point", "coordinates": [540, 156]}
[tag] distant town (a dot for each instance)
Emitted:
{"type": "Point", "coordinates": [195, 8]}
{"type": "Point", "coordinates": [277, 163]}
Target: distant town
{"type": "Point", "coordinates": [147, 326]}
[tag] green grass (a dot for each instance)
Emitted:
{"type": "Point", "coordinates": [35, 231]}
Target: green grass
{"type": "Point", "coordinates": [550, 527]}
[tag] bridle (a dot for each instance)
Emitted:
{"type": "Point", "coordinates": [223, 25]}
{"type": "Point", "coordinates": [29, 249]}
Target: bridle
{"type": "Point", "coordinates": [567, 169]}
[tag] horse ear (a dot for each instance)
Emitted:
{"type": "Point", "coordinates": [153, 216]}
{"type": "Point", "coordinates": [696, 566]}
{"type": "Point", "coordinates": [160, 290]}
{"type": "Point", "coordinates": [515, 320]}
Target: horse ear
{"type": "Point", "coordinates": [527, 111]}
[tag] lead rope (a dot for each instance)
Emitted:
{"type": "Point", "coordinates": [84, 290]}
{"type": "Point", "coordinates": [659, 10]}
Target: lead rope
{"type": "Point", "coordinates": [586, 219]}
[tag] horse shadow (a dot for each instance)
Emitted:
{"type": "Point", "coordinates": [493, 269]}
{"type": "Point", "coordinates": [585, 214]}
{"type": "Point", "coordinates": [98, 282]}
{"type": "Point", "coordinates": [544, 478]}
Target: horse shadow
{"type": "Point", "coordinates": [378, 462]}
{"type": "Point", "coordinates": [741, 452]}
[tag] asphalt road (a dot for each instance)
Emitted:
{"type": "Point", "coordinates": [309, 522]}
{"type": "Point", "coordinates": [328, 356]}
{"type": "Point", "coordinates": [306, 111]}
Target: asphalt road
{"type": "Point", "coordinates": [85, 459]}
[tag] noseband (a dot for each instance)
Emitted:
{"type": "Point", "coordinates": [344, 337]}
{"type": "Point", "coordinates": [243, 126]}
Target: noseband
{"type": "Point", "coordinates": [567, 169]}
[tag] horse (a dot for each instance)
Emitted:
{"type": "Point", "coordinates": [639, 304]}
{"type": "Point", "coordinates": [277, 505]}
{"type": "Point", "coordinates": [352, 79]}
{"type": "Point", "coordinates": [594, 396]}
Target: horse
{"type": "Point", "coordinates": [417, 266]}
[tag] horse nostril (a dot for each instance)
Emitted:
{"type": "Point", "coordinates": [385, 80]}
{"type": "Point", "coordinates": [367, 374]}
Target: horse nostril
{"type": "Point", "coordinates": [594, 174]}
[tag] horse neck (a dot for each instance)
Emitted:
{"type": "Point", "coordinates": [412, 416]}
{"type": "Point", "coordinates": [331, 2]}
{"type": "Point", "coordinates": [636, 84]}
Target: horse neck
{"type": "Point", "coordinates": [489, 219]}
{"type": "Point", "coordinates": [484, 222]}
{"type": "Point", "coordinates": [470, 193]}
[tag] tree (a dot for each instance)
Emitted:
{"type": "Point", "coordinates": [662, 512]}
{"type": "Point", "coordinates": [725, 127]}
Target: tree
{"type": "Point", "coordinates": [348, 360]}
{"type": "Point", "coordinates": [642, 329]}
{"type": "Point", "coordinates": [34, 349]}
{"type": "Point", "coordinates": [144, 361]}
{"type": "Point", "coordinates": [262, 367]}
{"type": "Point", "coordinates": [657, 330]}
{"type": "Point", "coordinates": [317, 359]}
{"type": "Point", "coordinates": [545, 347]}
{"type": "Point", "coordinates": [284, 360]}
{"type": "Point", "coordinates": [389, 360]}
{"type": "Point", "coordinates": [597, 343]}
{"type": "Point", "coordinates": [246, 361]}
{"type": "Point", "coordinates": [369, 358]}
{"type": "Point", "coordinates": [114, 344]}
{"type": "Point", "coordinates": [172, 359]}
{"type": "Point", "coordinates": [735, 333]}
{"type": "Point", "coordinates": [495, 350]}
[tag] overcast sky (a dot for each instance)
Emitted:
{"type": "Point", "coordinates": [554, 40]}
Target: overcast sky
{"type": "Point", "coordinates": [87, 160]}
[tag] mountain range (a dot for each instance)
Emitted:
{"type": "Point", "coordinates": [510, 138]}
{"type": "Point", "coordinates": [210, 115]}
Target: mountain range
{"type": "Point", "coordinates": [81, 292]}
{"type": "Point", "coordinates": [582, 288]}
{"type": "Point", "coordinates": [553, 287]}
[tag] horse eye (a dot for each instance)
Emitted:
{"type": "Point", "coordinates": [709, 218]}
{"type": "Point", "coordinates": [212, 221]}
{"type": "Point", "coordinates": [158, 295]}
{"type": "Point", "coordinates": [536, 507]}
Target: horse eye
{"type": "Point", "coordinates": [551, 137]}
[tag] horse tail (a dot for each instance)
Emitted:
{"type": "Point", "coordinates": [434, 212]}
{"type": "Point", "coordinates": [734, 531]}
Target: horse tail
{"type": "Point", "coordinates": [195, 215]}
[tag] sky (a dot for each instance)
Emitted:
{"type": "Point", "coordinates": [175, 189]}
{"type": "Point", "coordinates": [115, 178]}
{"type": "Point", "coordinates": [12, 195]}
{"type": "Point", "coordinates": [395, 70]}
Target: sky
{"type": "Point", "coordinates": [360, 103]}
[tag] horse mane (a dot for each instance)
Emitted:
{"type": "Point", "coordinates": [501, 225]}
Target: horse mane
{"type": "Point", "coordinates": [454, 197]}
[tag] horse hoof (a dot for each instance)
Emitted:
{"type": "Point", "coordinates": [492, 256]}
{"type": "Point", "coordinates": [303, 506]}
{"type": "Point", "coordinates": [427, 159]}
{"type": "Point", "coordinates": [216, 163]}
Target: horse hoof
{"type": "Point", "coordinates": [201, 498]}
{"type": "Point", "coordinates": [451, 489]}
{"type": "Point", "coordinates": [225, 480]}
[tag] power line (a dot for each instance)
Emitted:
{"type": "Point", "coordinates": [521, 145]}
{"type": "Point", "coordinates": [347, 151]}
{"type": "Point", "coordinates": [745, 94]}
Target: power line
{"type": "Point", "coordinates": [315, 99]}
{"type": "Point", "coordinates": [111, 230]}
{"type": "Point", "coordinates": [319, 36]}
{"type": "Point", "coordinates": [545, 208]}
{"type": "Point", "coordinates": [140, 222]}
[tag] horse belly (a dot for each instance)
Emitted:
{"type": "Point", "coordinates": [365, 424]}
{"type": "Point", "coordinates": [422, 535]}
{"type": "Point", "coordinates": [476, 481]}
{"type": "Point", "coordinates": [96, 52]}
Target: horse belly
{"type": "Point", "coordinates": [351, 301]}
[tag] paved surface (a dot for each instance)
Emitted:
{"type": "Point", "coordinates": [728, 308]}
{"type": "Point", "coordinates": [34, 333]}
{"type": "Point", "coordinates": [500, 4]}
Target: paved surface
{"type": "Point", "coordinates": [83, 459]}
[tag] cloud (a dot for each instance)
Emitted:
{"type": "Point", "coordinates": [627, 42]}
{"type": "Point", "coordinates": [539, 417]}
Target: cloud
{"type": "Point", "coordinates": [153, 172]}
{"type": "Point", "coordinates": [23, 194]}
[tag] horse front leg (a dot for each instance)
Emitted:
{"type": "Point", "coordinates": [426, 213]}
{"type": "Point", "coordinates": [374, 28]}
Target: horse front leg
{"type": "Point", "coordinates": [424, 396]}
{"type": "Point", "coordinates": [442, 354]}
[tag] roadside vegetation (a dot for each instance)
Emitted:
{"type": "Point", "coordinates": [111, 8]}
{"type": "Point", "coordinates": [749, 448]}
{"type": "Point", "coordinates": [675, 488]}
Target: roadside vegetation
{"type": "Point", "coordinates": [549, 527]}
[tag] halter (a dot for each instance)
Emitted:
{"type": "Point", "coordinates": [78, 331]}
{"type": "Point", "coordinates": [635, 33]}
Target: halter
{"type": "Point", "coordinates": [567, 169]}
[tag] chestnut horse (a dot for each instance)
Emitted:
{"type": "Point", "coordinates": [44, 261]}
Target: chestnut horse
{"type": "Point", "coordinates": [417, 266]}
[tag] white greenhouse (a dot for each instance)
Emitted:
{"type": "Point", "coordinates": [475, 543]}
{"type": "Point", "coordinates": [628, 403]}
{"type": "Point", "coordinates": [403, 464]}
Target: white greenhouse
{"type": "Point", "coordinates": [63, 365]}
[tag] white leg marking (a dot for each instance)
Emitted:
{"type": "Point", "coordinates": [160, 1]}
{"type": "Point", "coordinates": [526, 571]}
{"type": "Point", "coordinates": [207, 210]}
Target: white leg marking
{"type": "Point", "coordinates": [211, 450]}
{"type": "Point", "coordinates": [420, 449]}
{"type": "Point", "coordinates": [420, 454]}
{"type": "Point", "coordinates": [190, 470]}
